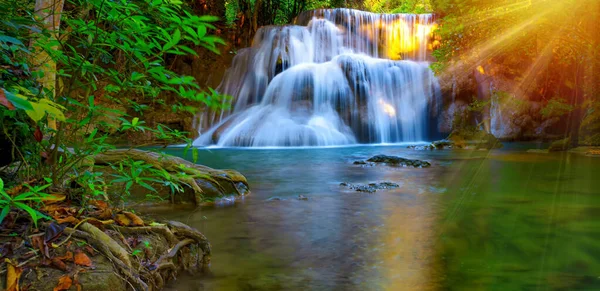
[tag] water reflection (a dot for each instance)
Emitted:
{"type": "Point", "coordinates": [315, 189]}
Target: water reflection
{"type": "Point", "coordinates": [501, 221]}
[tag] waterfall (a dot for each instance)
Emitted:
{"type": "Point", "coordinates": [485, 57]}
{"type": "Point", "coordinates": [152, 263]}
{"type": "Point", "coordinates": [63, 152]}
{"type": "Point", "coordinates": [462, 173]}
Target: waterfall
{"type": "Point", "coordinates": [335, 77]}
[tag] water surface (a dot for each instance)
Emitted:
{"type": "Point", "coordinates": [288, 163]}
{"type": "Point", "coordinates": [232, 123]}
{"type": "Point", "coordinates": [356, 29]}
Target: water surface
{"type": "Point", "coordinates": [475, 220]}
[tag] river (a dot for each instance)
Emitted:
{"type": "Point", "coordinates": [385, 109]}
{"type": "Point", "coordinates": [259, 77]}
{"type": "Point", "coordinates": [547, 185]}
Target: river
{"type": "Point", "coordinates": [475, 220]}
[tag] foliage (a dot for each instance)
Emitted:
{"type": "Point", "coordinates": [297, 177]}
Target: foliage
{"type": "Point", "coordinates": [556, 107]}
{"type": "Point", "coordinates": [284, 11]}
{"type": "Point", "coordinates": [23, 201]}
{"type": "Point", "coordinates": [111, 66]}
{"type": "Point", "coordinates": [510, 103]}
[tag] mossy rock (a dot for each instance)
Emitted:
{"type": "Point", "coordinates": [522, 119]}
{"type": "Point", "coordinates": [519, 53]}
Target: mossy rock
{"type": "Point", "coordinates": [560, 145]}
{"type": "Point", "coordinates": [477, 139]}
{"type": "Point", "coordinates": [589, 131]}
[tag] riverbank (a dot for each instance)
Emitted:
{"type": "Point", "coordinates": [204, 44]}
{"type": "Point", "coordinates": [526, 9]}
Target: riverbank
{"type": "Point", "coordinates": [101, 243]}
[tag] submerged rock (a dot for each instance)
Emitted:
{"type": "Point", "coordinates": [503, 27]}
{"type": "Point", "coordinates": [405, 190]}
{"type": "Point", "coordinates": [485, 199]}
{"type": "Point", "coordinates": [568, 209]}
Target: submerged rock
{"type": "Point", "coordinates": [371, 187]}
{"type": "Point", "coordinates": [394, 161]}
{"type": "Point", "coordinates": [275, 198]}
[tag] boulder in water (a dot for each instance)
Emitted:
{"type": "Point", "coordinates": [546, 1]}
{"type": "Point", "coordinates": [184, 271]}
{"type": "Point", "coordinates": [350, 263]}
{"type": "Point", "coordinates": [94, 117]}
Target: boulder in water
{"type": "Point", "coordinates": [371, 187]}
{"type": "Point", "coordinates": [395, 161]}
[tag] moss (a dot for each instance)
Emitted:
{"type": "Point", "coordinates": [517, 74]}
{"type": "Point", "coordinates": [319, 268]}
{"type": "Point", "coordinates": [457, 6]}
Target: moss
{"type": "Point", "coordinates": [478, 139]}
{"type": "Point", "coordinates": [560, 145]}
{"type": "Point", "coordinates": [590, 127]}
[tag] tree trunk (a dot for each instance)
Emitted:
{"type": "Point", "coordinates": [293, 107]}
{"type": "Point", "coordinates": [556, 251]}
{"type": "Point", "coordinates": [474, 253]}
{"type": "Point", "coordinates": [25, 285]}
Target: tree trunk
{"type": "Point", "coordinates": [49, 12]}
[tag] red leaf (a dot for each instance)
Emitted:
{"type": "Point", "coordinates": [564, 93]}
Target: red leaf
{"type": "Point", "coordinates": [4, 101]}
{"type": "Point", "coordinates": [38, 134]}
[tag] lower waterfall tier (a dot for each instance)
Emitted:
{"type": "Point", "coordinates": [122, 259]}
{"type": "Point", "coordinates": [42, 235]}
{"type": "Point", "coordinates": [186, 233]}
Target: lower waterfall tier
{"type": "Point", "coordinates": [351, 99]}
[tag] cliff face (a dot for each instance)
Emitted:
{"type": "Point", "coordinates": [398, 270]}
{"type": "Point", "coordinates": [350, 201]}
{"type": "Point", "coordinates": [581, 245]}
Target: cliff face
{"type": "Point", "coordinates": [499, 103]}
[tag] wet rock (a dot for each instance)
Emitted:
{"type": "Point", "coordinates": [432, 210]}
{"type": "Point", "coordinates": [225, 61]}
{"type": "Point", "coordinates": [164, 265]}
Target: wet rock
{"type": "Point", "coordinates": [275, 198]}
{"type": "Point", "coordinates": [395, 161]}
{"type": "Point", "coordinates": [442, 144]}
{"type": "Point", "coordinates": [302, 197]}
{"type": "Point", "coordinates": [422, 147]}
{"type": "Point", "coordinates": [371, 187]}
{"type": "Point", "coordinates": [436, 145]}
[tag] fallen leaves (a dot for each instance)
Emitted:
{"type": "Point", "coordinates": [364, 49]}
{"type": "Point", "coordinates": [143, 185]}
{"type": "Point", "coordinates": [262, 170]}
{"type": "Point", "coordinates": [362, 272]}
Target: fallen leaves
{"type": "Point", "coordinates": [128, 219]}
{"type": "Point", "coordinates": [82, 259]}
{"type": "Point", "coordinates": [135, 220]}
{"type": "Point", "coordinates": [13, 274]}
{"type": "Point", "coordinates": [64, 283]}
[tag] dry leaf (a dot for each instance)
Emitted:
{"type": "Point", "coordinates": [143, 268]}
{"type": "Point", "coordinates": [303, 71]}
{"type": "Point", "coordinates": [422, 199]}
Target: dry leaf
{"type": "Point", "coordinates": [13, 274]}
{"type": "Point", "coordinates": [82, 259]}
{"type": "Point", "coordinates": [68, 219]}
{"type": "Point", "coordinates": [135, 220]}
{"type": "Point", "coordinates": [90, 250]}
{"type": "Point", "coordinates": [59, 264]}
{"type": "Point", "coordinates": [67, 257]}
{"type": "Point", "coordinates": [38, 243]}
{"type": "Point", "coordinates": [64, 283]}
{"type": "Point", "coordinates": [14, 190]}
{"type": "Point", "coordinates": [54, 198]}
{"type": "Point", "coordinates": [99, 203]}
{"type": "Point", "coordinates": [122, 219]}
{"type": "Point", "coordinates": [104, 214]}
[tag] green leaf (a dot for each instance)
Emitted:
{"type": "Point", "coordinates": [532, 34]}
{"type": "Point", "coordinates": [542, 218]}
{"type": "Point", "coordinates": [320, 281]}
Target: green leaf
{"type": "Point", "coordinates": [1, 185]}
{"type": "Point", "coordinates": [4, 213]}
{"type": "Point", "coordinates": [208, 18]}
{"type": "Point", "coordinates": [176, 37]}
{"type": "Point", "coordinates": [195, 154]}
{"type": "Point", "coordinates": [18, 100]}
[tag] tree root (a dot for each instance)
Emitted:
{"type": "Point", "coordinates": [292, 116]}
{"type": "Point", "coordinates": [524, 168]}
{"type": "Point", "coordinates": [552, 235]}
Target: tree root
{"type": "Point", "coordinates": [182, 239]}
{"type": "Point", "coordinates": [179, 170]}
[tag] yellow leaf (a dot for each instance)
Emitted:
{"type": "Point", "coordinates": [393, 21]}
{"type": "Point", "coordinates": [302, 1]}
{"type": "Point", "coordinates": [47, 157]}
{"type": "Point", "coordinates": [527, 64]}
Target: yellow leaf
{"type": "Point", "coordinates": [13, 273]}
{"type": "Point", "coordinates": [53, 198]}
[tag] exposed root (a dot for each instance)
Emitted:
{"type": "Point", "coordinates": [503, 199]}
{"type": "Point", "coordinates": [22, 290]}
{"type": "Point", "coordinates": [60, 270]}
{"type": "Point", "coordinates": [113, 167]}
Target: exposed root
{"type": "Point", "coordinates": [179, 170]}
{"type": "Point", "coordinates": [187, 247]}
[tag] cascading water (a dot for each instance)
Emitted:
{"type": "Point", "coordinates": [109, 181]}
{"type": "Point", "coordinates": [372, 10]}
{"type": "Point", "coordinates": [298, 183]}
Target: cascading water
{"type": "Point", "coordinates": [332, 79]}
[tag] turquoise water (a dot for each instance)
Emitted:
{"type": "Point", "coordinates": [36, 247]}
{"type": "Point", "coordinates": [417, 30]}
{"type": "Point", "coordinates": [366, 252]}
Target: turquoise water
{"type": "Point", "coordinates": [475, 220]}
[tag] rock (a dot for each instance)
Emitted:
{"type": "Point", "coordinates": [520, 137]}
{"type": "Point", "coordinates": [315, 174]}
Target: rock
{"type": "Point", "coordinates": [421, 148]}
{"type": "Point", "coordinates": [371, 187]}
{"type": "Point", "coordinates": [302, 197]}
{"type": "Point", "coordinates": [442, 144]}
{"type": "Point", "coordinates": [475, 139]}
{"type": "Point", "coordinates": [360, 163]}
{"type": "Point", "coordinates": [560, 145]}
{"type": "Point", "coordinates": [398, 161]}
{"type": "Point", "coordinates": [589, 131]}
{"type": "Point", "coordinates": [275, 198]}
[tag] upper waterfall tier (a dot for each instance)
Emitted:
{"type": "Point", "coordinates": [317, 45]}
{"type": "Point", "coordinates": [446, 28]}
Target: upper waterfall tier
{"type": "Point", "coordinates": [392, 36]}
{"type": "Point", "coordinates": [333, 80]}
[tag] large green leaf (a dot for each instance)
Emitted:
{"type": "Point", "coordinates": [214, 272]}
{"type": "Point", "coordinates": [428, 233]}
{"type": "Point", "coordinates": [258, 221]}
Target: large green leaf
{"type": "Point", "coordinates": [39, 110]}
{"type": "Point", "coordinates": [18, 100]}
